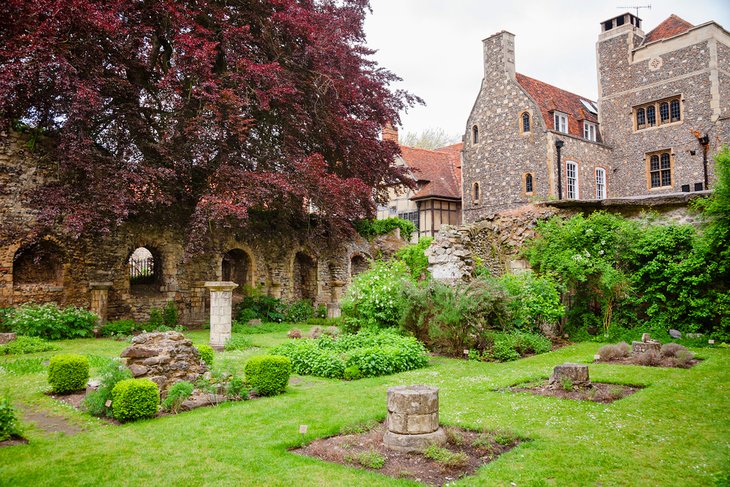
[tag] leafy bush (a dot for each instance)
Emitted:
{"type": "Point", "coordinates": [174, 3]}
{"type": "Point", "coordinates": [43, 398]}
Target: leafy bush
{"type": "Point", "coordinates": [534, 302]}
{"type": "Point", "coordinates": [68, 373]}
{"type": "Point", "coordinates": [613, 352]}
{"type": "Point", "coordinates": [372, 228]}
{"type": "Point", "coordinates": [415, 258]}
{"type": "Point", "coordinates": [374, 299]}
{"type": "Point", "coordinates": [134, 399]}
{"type": "Point", "coordinates": [259, 306]}
{"type": "Point", "coordinates": [268, 374]}
{"type": "Point", "coordinates": [206, 354]}
{"type": "Point", "coordinates": [170, 314]}
{"type": "Point", "coordinates": [49, 322]}
{"type": "Point", "coordinates": [450, 319]}
{"type": "Point", "coordinates": [120, 327]}
{"type": "Point", "coordinates": [236, 388]}
{"type": "Point", "coordinates": [8, 419]}
{"type": "Point", "coordinates": [155, 320]}
{"type": "Point", "coordinates": [321, 312]}
{"type": "Point", "coordinates": [236, 343]}
{"type": "Point", "coordinates": [25, 344]}
{"type": "Point", "coordinates": [176, 395]}
{"type": "Point", "coordinates": [4, 318]}
{"type": "Point", "coordinates": [110, 374]}
{"type": "Point", "coordinates": [299, 311]}
{"type": "Point", "coordinates": [371, 353]}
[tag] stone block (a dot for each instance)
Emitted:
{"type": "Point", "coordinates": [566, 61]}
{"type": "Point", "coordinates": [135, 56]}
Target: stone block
{"type": "Point", "coordinates": [577, 374]}
{"type": "Point", "coordinates": [413, 443]}
{"type": "Point", "coordinates": [417, 399]}
{"type": "Point", "coordinates": [138, 370]}
{"type": "Point", "coordinates": [7, 338]}
{"type": "Point", "coordinates": [642, 347]}
{"type": "Point", "coordinates": [413, 424]}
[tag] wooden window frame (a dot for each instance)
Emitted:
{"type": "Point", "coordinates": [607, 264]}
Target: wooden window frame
{"type": "Point", "coordinates": [649, 171]}
{"type": "Point", "coordinates": [586, 131]}
{"type": "Point", "coordinates": [674, 104]}
{"type": "Point", "coordinates": [558, 115]}
{"type": "Point", "coordinates": [577, 181]}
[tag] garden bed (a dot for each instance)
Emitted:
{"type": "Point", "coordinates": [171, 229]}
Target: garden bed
{"type": "Point", "coordinates": [636, 359]}
{"type": "Point", "coordinates": [596, 392]}
{"type": "Point", "coordinates": [464, 453]}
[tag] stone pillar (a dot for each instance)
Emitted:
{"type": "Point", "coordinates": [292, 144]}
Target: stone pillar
{"type": "Point", "coordinates": [221, 297]}
{"type": "Point", "coordinates": [413, 418]}
{"type": "Point", "coordinates": [576, 374]}
{"type": "Point", "coordinates": [646, 344]}
{"type": "Point", "coordinates": [100, 298]}
{"type": "Point", "coordinates": [333, 308]}
{"type": "Point", "coordinates": [275, 290]}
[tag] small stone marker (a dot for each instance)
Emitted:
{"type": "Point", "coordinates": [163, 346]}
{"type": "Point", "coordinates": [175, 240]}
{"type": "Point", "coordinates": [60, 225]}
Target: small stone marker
{"type": "Point", "coordinates": [675, 333]}
{"type": "Point", "coordinates": [7, 338]}
{"type": "Point", "coordinates": [711, 342]}
{"type": "Point", "coordinates": [413, 418]}
{"type": "Point", "coordinates": [108, 403]}
{"type": "Point", "coordinates": [577, 374]}
{"type": "Point", "coordinates": [303, 429]}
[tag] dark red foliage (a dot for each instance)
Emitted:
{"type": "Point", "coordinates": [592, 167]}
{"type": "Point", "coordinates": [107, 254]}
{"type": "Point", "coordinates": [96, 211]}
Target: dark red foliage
{"type": "Point", "coordinates": [211, 110]}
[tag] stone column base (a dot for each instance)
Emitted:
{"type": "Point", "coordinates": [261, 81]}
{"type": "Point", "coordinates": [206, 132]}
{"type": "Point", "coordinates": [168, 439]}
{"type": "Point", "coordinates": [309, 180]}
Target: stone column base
{"type": "Point", "coordinates": [413, 443]}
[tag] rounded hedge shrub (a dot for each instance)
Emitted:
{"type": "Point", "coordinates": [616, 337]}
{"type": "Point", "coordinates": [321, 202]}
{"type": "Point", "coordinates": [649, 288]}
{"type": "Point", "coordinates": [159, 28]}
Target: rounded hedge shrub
{"type": "Point", "coordinates": [68, 373]}
{"type": "Point", "coordinates": [207, 354]}
{"type": "Point", "coordinates": [135, 399]}
{"type": "Point", "coordinates": [268, 374]}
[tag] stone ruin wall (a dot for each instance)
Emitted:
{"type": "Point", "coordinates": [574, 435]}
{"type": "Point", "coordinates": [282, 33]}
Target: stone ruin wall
{"type": "Point", "coordinates": [80, 267]}
{"type": "Point", "coordinates": [496, 240]}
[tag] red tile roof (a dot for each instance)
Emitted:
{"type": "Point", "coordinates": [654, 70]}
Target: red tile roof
{"type": "Point", "coordinates": [672, 26]}
{"type": "Point", "coordinates": [551, 99]}
{"type": "Point", "coordinates": [437, 171]}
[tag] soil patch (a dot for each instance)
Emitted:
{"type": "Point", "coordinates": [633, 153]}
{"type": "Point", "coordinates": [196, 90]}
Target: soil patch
{"type": "Point", "coordinates": [596, 392]}
{"type": "Point", "coordinates": [48, 423]}
{"type": "Point", "coordinates": [13, 440]}
{"type": "Point", "coordinates": [637, 359]}
{"type": "Point", "coordinates": [464, 453]}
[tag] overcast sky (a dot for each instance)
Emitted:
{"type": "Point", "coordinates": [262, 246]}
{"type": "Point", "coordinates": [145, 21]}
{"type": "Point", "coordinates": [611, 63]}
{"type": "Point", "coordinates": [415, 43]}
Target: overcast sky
{"type": "Point", "coordinates": [435, 45]}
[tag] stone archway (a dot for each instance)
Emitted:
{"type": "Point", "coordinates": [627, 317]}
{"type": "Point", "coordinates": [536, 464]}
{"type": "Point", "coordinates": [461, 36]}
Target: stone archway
{"type": "Point", "coordinates": [237, 266]}
{"type": "Point", "coordinates": [144, 267]}
{"type": "Point", "coordinates": [358, 264]}
{"type": "Point", "coordinates": [304, 277]}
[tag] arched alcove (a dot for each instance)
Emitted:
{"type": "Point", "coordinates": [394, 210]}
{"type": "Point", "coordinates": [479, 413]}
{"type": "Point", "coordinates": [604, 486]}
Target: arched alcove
{"type": "Point", "coordinates": [304, 277]}
{"type": "Point", "coordinates": [358, 264]}
{"type": "Point", "coordinates": [236, 266]}
{"type": "Point", "coordinates": [38, 263]}
{"type": "Point", "coordinates": [144, 267]}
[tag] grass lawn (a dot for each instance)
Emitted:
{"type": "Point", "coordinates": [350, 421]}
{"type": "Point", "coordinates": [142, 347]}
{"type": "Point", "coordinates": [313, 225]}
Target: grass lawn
{"type": "Point", "coordinates": [676, 431]}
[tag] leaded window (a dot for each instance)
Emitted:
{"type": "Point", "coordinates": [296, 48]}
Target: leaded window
{"type": "Point", "coordinates": [660, 169]}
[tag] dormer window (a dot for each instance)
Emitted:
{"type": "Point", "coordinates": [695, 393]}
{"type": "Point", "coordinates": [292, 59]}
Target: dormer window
{"type": "Point", "coordinates": [525, 122]}
{"type": "Point", "coordinates": [561, 122]}
{"type": "Point", "coordinates": [475, 134]}
{"type": "Point", "coordinates": [589, 131]}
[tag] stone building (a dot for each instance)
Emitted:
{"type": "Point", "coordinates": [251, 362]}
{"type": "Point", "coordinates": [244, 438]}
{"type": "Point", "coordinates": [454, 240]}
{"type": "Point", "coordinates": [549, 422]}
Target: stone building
{"type": "Point", "coordinates": [437, 199]}
{"type": "Point", "coordinates": [663, 107]}
{"type": "Point", "coordinates": [125, 274]}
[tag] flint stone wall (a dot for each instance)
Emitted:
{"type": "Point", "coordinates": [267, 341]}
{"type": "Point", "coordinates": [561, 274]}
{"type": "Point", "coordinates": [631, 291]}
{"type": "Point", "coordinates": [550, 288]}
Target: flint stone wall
{"type": "Point", "coordinates": [164, 358]}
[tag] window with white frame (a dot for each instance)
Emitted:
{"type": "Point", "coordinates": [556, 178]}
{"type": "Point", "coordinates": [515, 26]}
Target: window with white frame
{"type": "Point", "coordinates": [589, 131]}
{"type": "Point", "coordinates": [571, 172]}
{"type": "Point", "coordinates": [561, 122]}
{"type": "Point", "coordinates": [600, 183]}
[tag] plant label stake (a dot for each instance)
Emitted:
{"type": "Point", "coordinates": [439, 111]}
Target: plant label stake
{"type": "Point", "coordinates": [303, 429]}
{"type": "Point", "coordinates": [108, 403]}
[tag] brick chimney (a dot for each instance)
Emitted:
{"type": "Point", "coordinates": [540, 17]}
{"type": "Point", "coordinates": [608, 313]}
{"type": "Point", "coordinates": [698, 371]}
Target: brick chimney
{"type": "Point", "coordinates": [499, 55]}
{"type": "Point", "coordinates": [390, 133]}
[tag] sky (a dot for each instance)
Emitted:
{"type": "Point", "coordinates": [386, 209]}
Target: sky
{"type": "Point", "coordinates": [435, 45]}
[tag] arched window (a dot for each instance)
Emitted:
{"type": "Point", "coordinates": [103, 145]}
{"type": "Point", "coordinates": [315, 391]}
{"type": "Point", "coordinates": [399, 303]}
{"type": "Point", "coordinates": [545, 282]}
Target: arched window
{"type": "Point", "coordinates": [571, 171]}
{"type": "Point", "coordinates": [651, 116]}
{"type": "Point", "coordinates": [475, 193]}
{"type": "Point", "coordinates": [39, 263]}
{"type": "Point", "coordinates": [640, 118]}
{"type": "Point", "coordinates": [475, 134]}
{"type": "Point", "coordinates": [528, 183]}
{"type": "Point", "coordinates": [236, 267]}
{"type": "Point", "coordinates": [664, 112]}
{"type": "Point", "coordinates": [675, 112]}
{"type": "Point", "coordinates": [525, 122]}
{"type": "Point", "coordinates": [358, 264]}
{"type": "Point", "coordinates": [600, 183]}
{"type": "Point", "coordinates": [145, 270]}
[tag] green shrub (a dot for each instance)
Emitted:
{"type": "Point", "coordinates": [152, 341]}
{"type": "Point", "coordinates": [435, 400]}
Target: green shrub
{"type": "Point", "coordinates": [170, 315]}
{"type": "Point", "coordinates": [49, 322]}
{"type": "Point", "coordinates": [321, 312]}
{"type": "Point", "coordinates": [237, 343]}
{"type": "Point", "coordinates": [415, 258]}
{"type": "Point", "coordinates": [134, 399]}
{"type": "Point", "coordinates": [4, 319]}
{"type": "Point", "coordinates": [534, 301]}
{"type": "Point", "coordinates": [8, 419]}
{"type": "Point", "coordinates": [25, 344]}
{"type": "Point", "coordinates": [206, 354]}
{"type": "Point", "coordinates": [120, 327]}
{"type": "Point", "coordinates": [259, 306]}
{"type": "Point", "coordinates": [268, 374]}
{"type": "Point", "coordinates": [374, 299]}
{"type": "Point", "coordinates": [236, 388]}
{"type": "Point", "coordinates": [156, 320]}
{"type": "Point", "coordinates": [176, 395]}
{"type": "Point", "coordinates": [371, 353]}
{"type": "Point", "coordinates": [110, 374]}
{"type": "Point", "coordinates": [372, 228]}
{"type": "Point", "coordinates": [299, 311]}
{"type": "Point", "coordinates": [68, 373]}
{"type": "Point", "coordinates": [352, 373]}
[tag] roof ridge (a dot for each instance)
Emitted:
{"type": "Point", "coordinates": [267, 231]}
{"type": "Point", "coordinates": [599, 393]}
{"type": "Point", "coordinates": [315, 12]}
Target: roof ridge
{"type": "Point", "coordinates": [557, 87]}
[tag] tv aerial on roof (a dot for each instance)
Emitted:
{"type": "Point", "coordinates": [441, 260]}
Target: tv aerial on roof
{"type": "Point", "coordinates": [637, 7]}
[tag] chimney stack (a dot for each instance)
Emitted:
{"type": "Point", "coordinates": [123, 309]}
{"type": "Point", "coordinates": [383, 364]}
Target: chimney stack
{"type": "Point", "coordinates": [389, 132]}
